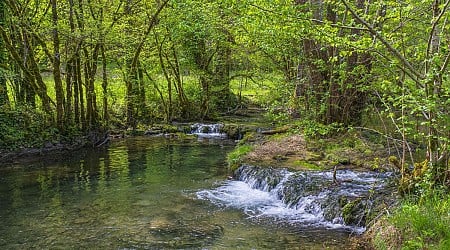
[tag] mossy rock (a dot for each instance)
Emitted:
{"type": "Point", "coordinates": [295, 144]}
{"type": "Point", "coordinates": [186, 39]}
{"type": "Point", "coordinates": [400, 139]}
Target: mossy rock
{"type": "Point", "coordinates": [238, 131]}
{"type": "Point", "coordinates": [354, 212]}
{"type": "Point", "coordinates": [135, 132]}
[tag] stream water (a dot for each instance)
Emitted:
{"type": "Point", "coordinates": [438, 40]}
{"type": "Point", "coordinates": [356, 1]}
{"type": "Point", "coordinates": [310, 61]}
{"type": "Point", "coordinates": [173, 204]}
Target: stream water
{"type": "Point", "coordinates": [140, 193]}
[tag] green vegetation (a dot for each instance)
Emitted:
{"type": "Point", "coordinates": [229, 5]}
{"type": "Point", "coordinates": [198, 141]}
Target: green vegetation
{"type": "Point", "coordinates": [417, 224]}
{"type": "Point", "coordinates": [234, 157]}
{"type": "Point", "coordinates": [78, 69]}
{"type": "Point", "coordinates": [306, 164]}
{"type": "Point", "coordinates": [24, 128]}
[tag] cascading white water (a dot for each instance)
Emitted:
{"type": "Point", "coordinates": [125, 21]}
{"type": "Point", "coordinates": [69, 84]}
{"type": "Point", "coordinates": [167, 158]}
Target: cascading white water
{"type": "Point", "coordinates": [303, 198]}
{"type": "Point", "coordinates": [208, 130]}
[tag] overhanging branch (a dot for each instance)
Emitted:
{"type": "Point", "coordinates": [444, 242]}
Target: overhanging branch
{"type": "Point", "coordinates": [410, 70]}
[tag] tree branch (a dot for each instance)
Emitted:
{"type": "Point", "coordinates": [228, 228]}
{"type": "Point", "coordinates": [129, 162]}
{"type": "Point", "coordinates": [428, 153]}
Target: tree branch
{"type": "Point", "coordinates": [151, 24]}
{"type": "Point", "coordinates": [445, 65]}
{"type": "Point", "coordinates": [430, 37]}
{"type": "Point", "coordinates": [308, 19]}
{"type": "Point", "coordinates": [417, 76]}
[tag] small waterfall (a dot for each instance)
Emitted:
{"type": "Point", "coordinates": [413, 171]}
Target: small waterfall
{"type": "Point", "coordinates": [208, 130]}
{"type": "Point", "coordinates": [305, 198]}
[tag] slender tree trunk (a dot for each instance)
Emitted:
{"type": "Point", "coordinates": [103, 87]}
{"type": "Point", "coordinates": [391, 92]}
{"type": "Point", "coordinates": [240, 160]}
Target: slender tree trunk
{"type": "Point", "coordinates": [79, 14]}
{"type": "Point", "coordinates": [132, 67]}
{"type": "Point", "coordinates": [90, 70]}
{"type": "Point", "coordinates": [71, 107]}
{"type": "Point", "coordinates": [161, 96]}
{"type": "Point", "coordinates": [179, 80]}
{"type": "Point", "coordinates": [168, 80]}
{"type": "Point", "coordinates": [436, 148]}
{"type": "Point", "coordinates": [4, 101]}
{"type": "Point", "coordinates": [131, 85]}
{"type": "Point", "coordinates": [80, 93]}
{"type": "Point", "coordinates": [35, 77]}
{"type": "Point", "coordinates": [221, 76]}
{"type": "Point", "coordinates": [105, 87]}
{"type": "Point", "coordinates": [31, 71]}
{"type": "Point", "coordinates": [68, 112]}
{"type": "Point", "coordinates": [76, 95]}
{"type": "Point", "coordinates": [57, 68]}
{"type": "Point", "coordinates": [142, 100]}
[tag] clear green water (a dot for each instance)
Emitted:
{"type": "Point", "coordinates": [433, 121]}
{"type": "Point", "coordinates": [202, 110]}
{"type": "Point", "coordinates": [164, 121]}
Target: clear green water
{"type": "Point", "coordinates": [139, 193]}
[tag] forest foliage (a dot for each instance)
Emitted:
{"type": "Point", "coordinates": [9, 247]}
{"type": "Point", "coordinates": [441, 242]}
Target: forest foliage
{"type": "Point", "coordinates": [77, 67]}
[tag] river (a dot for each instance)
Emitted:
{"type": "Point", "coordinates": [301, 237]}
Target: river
{"type": "Point", "coordinates": [138, 193]}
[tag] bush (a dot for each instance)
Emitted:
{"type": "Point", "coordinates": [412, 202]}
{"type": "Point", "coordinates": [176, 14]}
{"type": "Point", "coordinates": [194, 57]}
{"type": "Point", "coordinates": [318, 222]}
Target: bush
{"type": "Point", "coordinates": [25, 127]}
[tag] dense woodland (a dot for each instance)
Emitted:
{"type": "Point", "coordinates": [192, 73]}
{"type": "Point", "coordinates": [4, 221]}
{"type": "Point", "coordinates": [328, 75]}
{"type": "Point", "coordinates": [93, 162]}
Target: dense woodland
{"type": "Point", "coordinates": [82, 67]}
{"type": "Point", "coordinates": [72, 67]}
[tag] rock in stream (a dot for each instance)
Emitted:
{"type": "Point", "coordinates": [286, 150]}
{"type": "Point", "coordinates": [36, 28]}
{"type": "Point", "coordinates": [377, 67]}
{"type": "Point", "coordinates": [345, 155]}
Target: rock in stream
{"type": "Point", "coordinates": [309, 198]}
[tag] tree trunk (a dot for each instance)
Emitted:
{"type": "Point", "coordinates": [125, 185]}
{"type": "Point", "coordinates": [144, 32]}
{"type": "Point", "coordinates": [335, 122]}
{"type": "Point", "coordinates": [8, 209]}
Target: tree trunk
{"type": "Point", "coordinates": [80, 92]}
{"type": "Point", "coordinates": [71, 107]}
{"type": "Point", "coordinates": [130, 82]}
{"type": "Point", "coordinates": [437, 151]}
{"type": "Point", "coordinates": [68, 110]}
{"type": "Point", "coordinates": [221, 76]}
{"type": "Point", "coordinates": [132, 67]}
{"type": "Point", "coordinates": [4, 101]}
{"type": "Point", "coordinates": [30, 69]}
{"type": "Point", "coordinates": [90, 70]}
{"type": "Point", "coordinates": [57, 68]}
{"type": "Point", "coordinates": [168, 108]}
{"type": "Point", "coordinates": [105, 87]}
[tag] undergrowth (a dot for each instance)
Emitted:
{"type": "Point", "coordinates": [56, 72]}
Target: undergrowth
{"type": "Point", "coordinates": [419, 223]}
{"type": "Point", "coordinates": [235, 156]}
{"type": "Point", "coordinates": [24, 128]}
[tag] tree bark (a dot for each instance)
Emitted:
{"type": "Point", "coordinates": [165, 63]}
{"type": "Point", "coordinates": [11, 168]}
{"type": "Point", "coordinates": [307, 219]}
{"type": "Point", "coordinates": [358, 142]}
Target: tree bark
{"type": "Point", "coordinates": [31, 72]}
{"type": "Point", "coordinates": [105, 87]}
{"type": "Point", "coordinates": [57, 68]}
{"type": "Point", "coordinates": [168, 79]}
{"type": "Point", "coordinates": [132, 67]}
{"type": "Point", "coordinates": [4, 101]}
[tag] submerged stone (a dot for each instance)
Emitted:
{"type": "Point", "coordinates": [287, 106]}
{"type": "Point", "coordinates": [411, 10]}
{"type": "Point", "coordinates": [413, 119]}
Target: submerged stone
{"type": "Point", "coordinates": [185, 236]}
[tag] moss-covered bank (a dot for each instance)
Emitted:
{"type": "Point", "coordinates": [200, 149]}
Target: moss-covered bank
{"type": "Point", "coordinates": [293, 150]}
{"type": "Point", "coordinates": [350, 150]}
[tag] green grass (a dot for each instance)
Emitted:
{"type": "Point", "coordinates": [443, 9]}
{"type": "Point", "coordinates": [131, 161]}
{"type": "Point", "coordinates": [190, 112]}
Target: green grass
{"type": "Point", "coordinates": [262, 89]}
{"type": "Point", "coordinates": [306, 165]}
{"type": "Point", "coordinates": [235, 156]}
{"type": "Point", "coordinates": [424, 224]}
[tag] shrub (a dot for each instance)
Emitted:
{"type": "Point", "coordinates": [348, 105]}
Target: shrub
{"type": "Point", "coordinates": [25, 127]}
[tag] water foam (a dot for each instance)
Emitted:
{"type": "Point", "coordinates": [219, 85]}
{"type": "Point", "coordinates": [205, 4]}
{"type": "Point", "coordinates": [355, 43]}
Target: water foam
{"type": "Point", "coordinates": [208, 130]}
{"type": "Point", "coordinates": [261, 198]}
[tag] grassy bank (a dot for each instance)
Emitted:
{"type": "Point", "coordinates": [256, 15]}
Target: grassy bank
{"type": "Point", "coordinates": [420, 220]}
{"type": "Point", "coordinates": [418, 223]}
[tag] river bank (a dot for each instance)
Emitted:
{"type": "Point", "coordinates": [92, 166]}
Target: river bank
{"type": "Point", "coordinates": [139, 192]}
{"type": "Point", "coordinates": [358, 151]}
{"type": "Point", "coordinates": [262, 144]}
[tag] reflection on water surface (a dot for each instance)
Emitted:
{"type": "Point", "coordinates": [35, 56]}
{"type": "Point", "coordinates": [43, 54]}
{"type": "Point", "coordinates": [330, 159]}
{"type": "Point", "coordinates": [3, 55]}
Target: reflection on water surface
{"type": "Point", "coordinates": [139, 193]}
